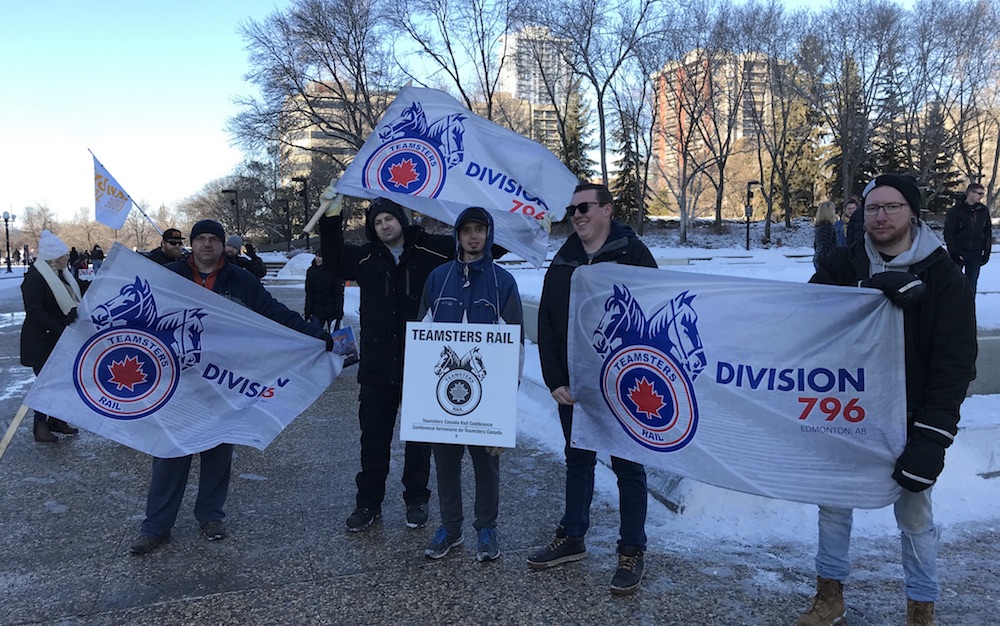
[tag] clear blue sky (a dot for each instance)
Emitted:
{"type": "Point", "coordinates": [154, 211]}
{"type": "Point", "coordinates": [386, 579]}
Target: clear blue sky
{"type": "Point", "coordinates": [148, 86]}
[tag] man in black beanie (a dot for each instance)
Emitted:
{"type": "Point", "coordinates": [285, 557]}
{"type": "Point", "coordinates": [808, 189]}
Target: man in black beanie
{"type": "Point", "coordinates": [208, 267]}
{"type": "Point", "coordinates": [903, 258]}
{"type": "Point", "coordinates": [391, 269]}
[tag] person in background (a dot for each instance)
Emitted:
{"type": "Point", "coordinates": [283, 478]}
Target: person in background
{"type": "Point", "coordinates": [901, 256]}
{"type": "Point", "coordinates": [324, 295]}
{"type": "Point", "coordinates": [472, 289]}
{"type": "Point", "coordinates": [968, 233]}
{"type": "Point", "coordinates": [251, 263]}
{"type": "Point", "coordinates": [843, 223]}
{"type": "Point", "coordinates": [51, 294]}
{"type": "Point", "coordinates": [97, 257]}
{"type": "Point", "coordinates": [208, 266]}
{"type": "Point", "coordinates": [170, 249]}
{"type": "Point", "coordinates": [824, 234]}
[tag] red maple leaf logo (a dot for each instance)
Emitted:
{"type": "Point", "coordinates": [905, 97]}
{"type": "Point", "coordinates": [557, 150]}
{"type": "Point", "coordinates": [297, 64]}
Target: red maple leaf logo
{"type": "Point", "coordinates": [403, 173]}
{"type": "Point", "coordinates": [127, 373]}
{"type": "Point", "coordinates": [645, 398]}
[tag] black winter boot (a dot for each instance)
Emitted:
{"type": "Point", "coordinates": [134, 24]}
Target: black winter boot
{"type": "Point", "coordinates": [59, 426]}
{"type": "Point", "coordinates": [43, 434]}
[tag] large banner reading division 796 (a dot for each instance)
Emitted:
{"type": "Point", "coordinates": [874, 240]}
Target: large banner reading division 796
{"type": "Point", "coordinates": [791, 391]}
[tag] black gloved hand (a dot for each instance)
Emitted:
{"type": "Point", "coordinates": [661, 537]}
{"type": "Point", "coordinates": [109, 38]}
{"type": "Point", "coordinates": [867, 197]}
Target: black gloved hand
{"type": "Point", "coordinates": [329, 341]}
{"type": "Point", "coordinates": [921, 462]}
{"type": "Point", "coordinates": [903, 289]}
{"type": "Point", "coordinates": [251, 251]}
{"type": "Point", "coordinates": [71, 316]}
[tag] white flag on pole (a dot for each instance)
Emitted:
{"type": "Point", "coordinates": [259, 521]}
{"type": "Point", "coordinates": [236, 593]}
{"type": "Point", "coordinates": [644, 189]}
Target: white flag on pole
{"type": "Point", "coordinates": [111, 203]}
{"type": "Point", "coordinates": [791, 391]}
{"type": "Point", "coordinates": [165, 366]}
{"type": "Point", "coordinates": [431, 154]}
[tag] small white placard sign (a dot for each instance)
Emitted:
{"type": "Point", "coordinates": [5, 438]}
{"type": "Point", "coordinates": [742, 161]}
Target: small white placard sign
{"type": "Point", "coordinates": [460, 383]}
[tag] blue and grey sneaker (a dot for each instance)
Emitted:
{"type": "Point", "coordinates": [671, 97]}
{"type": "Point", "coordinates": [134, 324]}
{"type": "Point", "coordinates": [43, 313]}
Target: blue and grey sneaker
{"type": "Point", "coordinates": [441, 543]}
{"type": "Point", "coordinates": [488, 545]}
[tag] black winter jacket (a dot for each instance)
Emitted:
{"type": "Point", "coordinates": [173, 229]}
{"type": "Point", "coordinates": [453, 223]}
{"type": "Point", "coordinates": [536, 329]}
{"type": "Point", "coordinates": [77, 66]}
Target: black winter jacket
{"type": "Point", "coordinates": [324, 293]}
{"type": "Point", "coordinates": [390, 293]}
{"type": "Point", "coordinates": [244, 288]}
{"type": "Point", "coordinates": [967, 229]}
{"type": "Point", "coordinates": [44, 321]}
{"type": "Point", "coordinates": [621, 247]}
{"type": "Point", "coordinates": [939, 335]}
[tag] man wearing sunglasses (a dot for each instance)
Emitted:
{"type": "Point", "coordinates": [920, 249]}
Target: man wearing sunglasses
{"type": "Point", "coordinates": [596, 238]}
{"type": "Point", "coordinates": [902, 257]}
{"type": "Point", "coordinates": [968, 233]}
{"type": "Point", "coordinates": [170, 249]}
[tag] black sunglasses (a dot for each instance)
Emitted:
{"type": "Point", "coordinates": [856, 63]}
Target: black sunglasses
{"type": "Point", "coordinates": [583, 207]}
{"type": "Point", "coordinates": [174, 242]}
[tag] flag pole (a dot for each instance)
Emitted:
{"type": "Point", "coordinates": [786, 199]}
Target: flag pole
{"type": "Point", "coordinates": [18, 418]}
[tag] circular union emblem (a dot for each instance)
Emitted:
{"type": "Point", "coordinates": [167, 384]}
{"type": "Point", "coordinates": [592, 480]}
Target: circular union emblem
{"type": "Point", "coordinates": [459, 392]}
{"type": "Point", "coordinates": [125, 373]}
{"type": "Point", "coordinates": [409, 165]}
{"type": "Point", "coordinates": [651, 397]}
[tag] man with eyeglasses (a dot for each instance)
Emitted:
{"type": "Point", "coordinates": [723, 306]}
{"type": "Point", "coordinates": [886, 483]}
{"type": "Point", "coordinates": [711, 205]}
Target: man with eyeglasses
{"type": "Point", "coordinates": [596, 238]}
{"type": "Point", "coordinates": [968, 233]}
{"type": "Point", "coordinates": [170, 249]}
{"type": "Point", "coordinates": [902, 257]}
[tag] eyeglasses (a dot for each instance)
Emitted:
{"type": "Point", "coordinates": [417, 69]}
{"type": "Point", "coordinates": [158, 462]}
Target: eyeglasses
{"type": "Point", "coordinates": [890, 209]}
{"type": "Point", "coordinates": [583, 207]}
{"type": "Point", "coordinates": [174, 242]}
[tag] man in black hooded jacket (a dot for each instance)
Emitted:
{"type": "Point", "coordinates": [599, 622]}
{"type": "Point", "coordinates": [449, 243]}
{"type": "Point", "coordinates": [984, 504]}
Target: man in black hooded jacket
{"type": "Point", "coordinates": [391, 270]}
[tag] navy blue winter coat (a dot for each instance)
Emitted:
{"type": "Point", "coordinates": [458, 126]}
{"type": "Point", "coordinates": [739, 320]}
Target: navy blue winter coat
{"type": "Point", "coordinates": [239, 285]}
{"type": "Point", "coordinates": [479, 292]}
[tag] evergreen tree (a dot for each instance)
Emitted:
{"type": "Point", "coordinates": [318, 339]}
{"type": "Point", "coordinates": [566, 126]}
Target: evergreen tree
{"type": "Point", "coordinates": [577, 138]}
{"type": "Point", "coordinates": [627, 187]}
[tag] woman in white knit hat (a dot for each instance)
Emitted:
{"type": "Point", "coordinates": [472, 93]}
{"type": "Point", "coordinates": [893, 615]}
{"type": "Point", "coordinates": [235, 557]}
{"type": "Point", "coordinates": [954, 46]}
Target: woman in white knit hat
{"type": "Point", "coordinates": [51, 294]}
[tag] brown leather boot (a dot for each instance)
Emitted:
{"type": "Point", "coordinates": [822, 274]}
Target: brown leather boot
{"type": "Point", "coordinates": [43, 434]}
{"type": "Point", "coordinates": [828, 604]}
{"type": "Point", "coordinates": [919, 613]}
{"type": "Point", "coordinates": [59, 426]}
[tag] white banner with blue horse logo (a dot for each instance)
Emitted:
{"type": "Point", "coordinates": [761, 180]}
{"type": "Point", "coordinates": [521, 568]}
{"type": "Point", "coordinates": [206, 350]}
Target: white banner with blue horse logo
{"type": "Point", "coordinates": [432, 155]}
{"type": "Point", "coordinates": [165, 366]}
{"type": "Point", "coordinates": [792, 391]}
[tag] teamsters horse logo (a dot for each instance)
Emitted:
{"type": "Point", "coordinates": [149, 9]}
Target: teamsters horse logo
{"type": "Point", "coordinates": [459, 390]}
{"type": "Point", "coordinates": [649, 368]}
{"type": "Point", "coordinates": [416, 154]}
{"type": "Point", "coordinates": [131, 367]}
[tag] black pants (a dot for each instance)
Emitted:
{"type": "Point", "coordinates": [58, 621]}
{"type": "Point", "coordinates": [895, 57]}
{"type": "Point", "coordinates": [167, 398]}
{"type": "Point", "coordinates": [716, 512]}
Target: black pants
{"type": "Point", "coordinates": [377, 415]}
{"type": "Point", "coordinates": [448, 460]}
{"type": "Point", "coordinates": [169, 480]}
{"type": "Point", "coordinates": [39, 416]}
{"type": "Point", "coordinates": [970, 262]}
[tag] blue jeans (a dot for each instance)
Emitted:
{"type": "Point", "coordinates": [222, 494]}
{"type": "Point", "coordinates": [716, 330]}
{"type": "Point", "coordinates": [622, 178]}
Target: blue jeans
{"type": "Point", "coordinates": [166, 489]}
{"type": "Point", "coordinates": [580, 466]}
{"type": "Point", "coordinates": [919, 537]}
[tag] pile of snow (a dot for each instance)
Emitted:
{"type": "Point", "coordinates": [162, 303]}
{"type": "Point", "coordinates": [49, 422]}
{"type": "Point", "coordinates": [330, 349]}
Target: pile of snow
{"type": "Point", "coordinates": [296, 267]}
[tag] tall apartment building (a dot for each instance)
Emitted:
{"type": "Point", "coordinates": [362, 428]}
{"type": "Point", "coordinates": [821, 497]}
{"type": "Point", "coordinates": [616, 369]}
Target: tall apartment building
{"type": "Point", "coordinates": [701, 98]}
{"type": "Point", "coordinates": [535, 70]}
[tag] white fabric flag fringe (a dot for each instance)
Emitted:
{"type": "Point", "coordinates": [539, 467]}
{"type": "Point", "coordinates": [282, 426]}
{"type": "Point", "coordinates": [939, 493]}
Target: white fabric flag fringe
{"type": "Point", "coordinates": [432, 155]}
{"type": "Point", "coordinates": [163, 365]}
{"type": "Point", "coordinates": [791, 391]}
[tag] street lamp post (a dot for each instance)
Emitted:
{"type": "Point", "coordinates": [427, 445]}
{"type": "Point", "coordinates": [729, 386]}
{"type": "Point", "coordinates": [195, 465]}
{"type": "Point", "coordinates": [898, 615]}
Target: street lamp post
{"type": "Point", "coordinates": [7, 219]}
{"type": "Point", "coordinates": [283, 203]}
{"type": "Point", "coordinates": [748, 210]}
{"type": "Point", "coordinates": [305, 203]}
{"type": "Point", "coordinates": [235, 202]}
